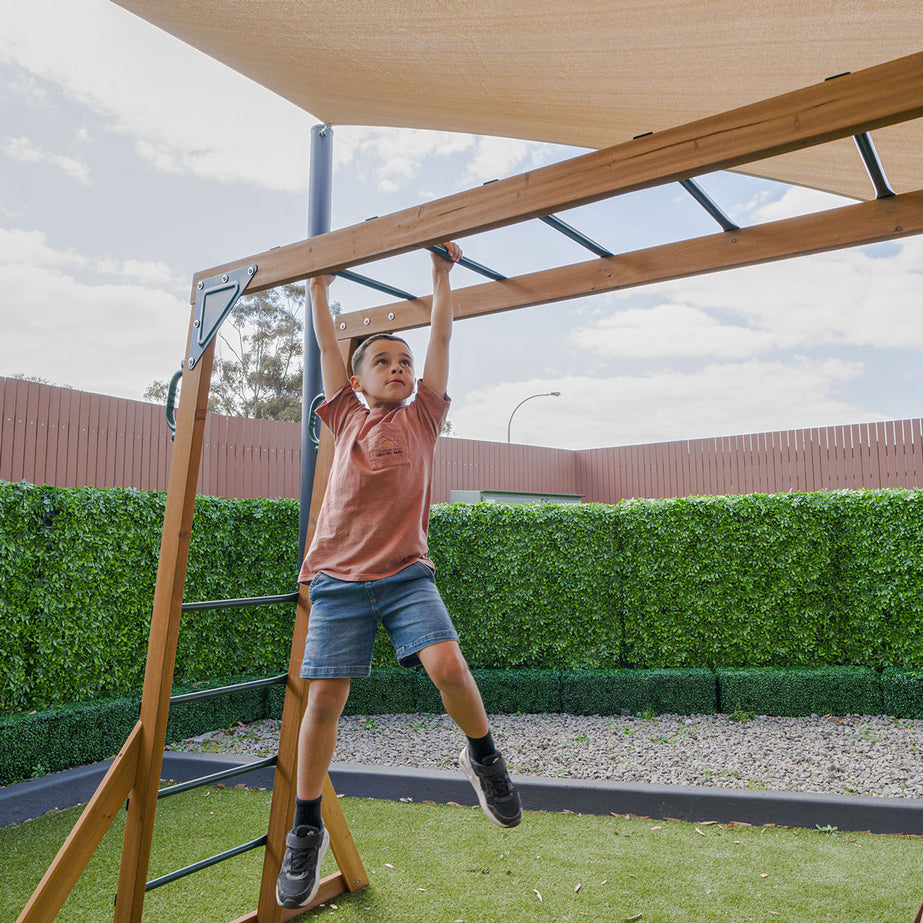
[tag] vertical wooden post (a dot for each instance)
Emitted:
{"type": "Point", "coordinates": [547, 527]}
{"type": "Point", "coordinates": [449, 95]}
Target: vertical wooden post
{"type": "Point", "coordinates": [161, 652]}
{"type": "Point", "coordinates": [352, 874]}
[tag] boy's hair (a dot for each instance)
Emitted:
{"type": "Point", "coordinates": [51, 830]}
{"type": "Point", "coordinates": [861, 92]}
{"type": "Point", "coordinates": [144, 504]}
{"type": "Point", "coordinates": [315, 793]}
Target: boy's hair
{"type": "Point", "coordinates": [360, 352]}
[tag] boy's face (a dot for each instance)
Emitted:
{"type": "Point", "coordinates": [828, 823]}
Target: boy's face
{"type": "Point", "coordinates": [385, 375]}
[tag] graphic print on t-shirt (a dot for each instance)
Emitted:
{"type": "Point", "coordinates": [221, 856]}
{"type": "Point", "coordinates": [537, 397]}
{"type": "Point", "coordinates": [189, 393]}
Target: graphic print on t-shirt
{"type": "Point", "coordinates": [386, 447]}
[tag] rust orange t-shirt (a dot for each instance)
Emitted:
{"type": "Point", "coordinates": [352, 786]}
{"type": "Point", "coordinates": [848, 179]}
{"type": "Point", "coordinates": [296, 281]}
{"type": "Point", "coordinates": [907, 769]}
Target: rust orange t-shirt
{"type": "Point", "coordinates": [375, 515]}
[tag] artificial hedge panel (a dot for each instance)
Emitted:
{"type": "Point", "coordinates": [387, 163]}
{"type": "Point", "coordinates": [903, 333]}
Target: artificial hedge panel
{"type": "Point", "coordinates": [78, 569]}
{"type": "Point", "coordinates": [818, 691]}
{"type": "Point", "coordinates": [791, 580]}
{"type": "Point", "coordinates": [878, 569]}
{"type": "Point", "coordinates": [727, 581]}
{"type": "Point", "coordinates": [529, 587]}
{"type": "Point", "coordinates": [239, 548]}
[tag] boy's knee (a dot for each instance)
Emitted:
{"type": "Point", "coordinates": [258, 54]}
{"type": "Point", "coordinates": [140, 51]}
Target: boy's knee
{"type": "Point", "coordinates": [327, 698]}
{"type": "Point", "coordinates": [449, 672]}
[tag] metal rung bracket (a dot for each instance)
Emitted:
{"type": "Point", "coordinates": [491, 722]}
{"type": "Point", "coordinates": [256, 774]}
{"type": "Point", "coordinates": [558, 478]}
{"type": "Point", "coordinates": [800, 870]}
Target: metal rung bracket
{"type": "Point", "coordinates": [351, 276]}
{"type": "Point", "coordinates": [553, 221]}
{"type": "Point", "coordinates": [701, 196]}
{"type": "Point", "coordinates": [873, 165]}
{"type": "Point", "coordinates": [214, 300]}
{"type": "Point", "coordinates": [470, 264]}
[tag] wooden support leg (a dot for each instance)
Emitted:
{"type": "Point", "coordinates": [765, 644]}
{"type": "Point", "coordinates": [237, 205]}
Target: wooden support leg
{"type": "Point", "coordinates": [161, 654]}
{"type": "Point", "coordinates": [81, 843]}
{"type": "Point", "coordinates": [352, 874]}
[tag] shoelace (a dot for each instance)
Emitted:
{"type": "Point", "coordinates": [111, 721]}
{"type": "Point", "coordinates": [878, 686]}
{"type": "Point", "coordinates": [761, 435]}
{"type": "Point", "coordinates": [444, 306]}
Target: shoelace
{"type": "Point", "coordinates": [299, 864]}
{"type": "Point", "coordinates": [497, 784]}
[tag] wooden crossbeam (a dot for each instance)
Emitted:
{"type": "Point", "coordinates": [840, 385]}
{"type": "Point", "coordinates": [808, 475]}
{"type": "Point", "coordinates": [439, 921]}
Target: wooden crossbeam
{"type": "Point", "coordinates": [868, 99]}
{"type": "Point", "coordinates": [836, 229]}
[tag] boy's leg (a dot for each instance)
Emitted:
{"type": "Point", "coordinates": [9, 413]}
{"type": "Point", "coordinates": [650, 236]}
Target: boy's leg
{"type": "Point", "coordinates": [317, 736]}
{"type": "Point", "coordinates": [479, 761]}
{"type": "Point", "coordinates": [461, 697]}
{"type": "Point", "coordinates": [307, 843]}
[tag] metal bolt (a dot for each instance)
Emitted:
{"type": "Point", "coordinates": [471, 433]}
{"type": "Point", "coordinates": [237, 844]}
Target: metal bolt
{"type": "Point", "coordinates": [366, 322]}
{"type": "Point", "coordinates": [224, 278]}
{"type": "Point", "coordinates": [196, 323]}
{"type": "Point", "coordinates": [391, 316]}
{"type": "Point", "coordinates": [200, 286]}
{"type": "Point", "coordinates": [191, 363]}
{"type": "Point", "coordinates": [343, 325]}
{"type": "Point", "coordinates": [251, 270]}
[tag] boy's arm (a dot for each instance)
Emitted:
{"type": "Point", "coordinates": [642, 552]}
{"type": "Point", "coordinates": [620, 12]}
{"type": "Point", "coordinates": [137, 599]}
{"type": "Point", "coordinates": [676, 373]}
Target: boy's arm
{"type": "Point", "coordinates": [436, 364]}
{"type": "Point", "coordinates": [332, 366]}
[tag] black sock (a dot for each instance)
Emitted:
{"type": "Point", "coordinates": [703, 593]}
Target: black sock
{"type": "Point", "coordinates": [480, 748]}
{"type": "Point", "coordinates": [307, 813]}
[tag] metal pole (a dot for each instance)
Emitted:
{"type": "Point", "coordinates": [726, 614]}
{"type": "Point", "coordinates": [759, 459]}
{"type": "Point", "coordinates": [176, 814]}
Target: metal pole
{"type": "Point", "coordinates": [319, 197]}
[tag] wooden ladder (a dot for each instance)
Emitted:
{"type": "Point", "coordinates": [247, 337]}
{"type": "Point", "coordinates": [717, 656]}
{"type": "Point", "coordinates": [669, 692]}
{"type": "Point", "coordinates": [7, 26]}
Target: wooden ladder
{"type": "Point", "coordinates": [135, 772]}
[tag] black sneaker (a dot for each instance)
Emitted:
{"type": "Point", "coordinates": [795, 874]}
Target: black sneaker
{"type": "Point", "coordinates": [300, 876]}
{"type": "Point", "coordinates": [496, 793]}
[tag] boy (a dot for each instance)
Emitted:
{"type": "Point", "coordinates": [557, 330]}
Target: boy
{"type": "Point", "coordinates": [368, 563]}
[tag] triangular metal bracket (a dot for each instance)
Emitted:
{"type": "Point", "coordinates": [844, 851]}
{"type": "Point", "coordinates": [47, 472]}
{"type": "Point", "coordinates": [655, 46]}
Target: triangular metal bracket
{"type": "Point", "coordinates": [214, 300]}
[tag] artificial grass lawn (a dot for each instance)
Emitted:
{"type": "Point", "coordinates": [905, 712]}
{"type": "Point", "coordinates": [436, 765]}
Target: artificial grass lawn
{"type": "Point", "coordinates": [432, 863]}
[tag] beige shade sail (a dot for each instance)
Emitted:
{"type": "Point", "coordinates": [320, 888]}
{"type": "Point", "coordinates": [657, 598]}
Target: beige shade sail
{"type": "Point", "coordinates": [590, 73]}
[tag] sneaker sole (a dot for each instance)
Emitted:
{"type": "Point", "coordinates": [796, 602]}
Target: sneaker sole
{"type": "Point", "coordinates": [290, 903]}
{"type": "Point", "coordinates": [465, 764]}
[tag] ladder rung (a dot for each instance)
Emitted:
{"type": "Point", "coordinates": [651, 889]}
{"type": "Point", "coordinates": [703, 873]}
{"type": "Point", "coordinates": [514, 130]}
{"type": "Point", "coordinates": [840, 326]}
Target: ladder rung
{"type": "Point", "coordinates": [240, 603]}
{"type": "Point", "coordinates": [216, 777]}
{"type": "Point", "coordinates": [227, 690]}
{"type": "Point", "coordinates": [205, 863]}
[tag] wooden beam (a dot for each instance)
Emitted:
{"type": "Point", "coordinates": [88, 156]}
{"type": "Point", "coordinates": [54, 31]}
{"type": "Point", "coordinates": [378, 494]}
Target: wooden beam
{"type": "Point", "coordinates": [868, 99]}
{"type": "Point", "coordinates": [164, 632]}
{"type": "Point", "coordinates": [838, 228]}
{"type": "Point", "coordinates": [351, 875]}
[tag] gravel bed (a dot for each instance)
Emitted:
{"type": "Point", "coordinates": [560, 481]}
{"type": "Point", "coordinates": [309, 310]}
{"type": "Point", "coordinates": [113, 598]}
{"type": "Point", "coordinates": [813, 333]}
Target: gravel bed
{"type": "Point", "coordinates": [852, 755]}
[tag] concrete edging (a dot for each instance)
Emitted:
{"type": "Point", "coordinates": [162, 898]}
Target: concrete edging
{"type": "Point", "coordinates": [689, 803]}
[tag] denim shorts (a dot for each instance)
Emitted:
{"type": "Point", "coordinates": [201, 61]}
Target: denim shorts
{"type": "Point", "coordinates": [345, 616]}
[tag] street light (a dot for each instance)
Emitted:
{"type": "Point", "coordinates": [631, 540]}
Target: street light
{"type": "Point", "coordinates": [529, 398]}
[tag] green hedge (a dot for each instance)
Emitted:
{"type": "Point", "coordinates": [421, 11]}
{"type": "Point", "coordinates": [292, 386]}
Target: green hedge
{"type": "Point", "coordinates": [58, 738]}
{"type": "Point", "coordinates": [727, 581]}
{"type": "Point", "coordinates": [530, 587]}
{"type": "Point", "coordinates": [785, 581]}
{"type": "Point", "coordinates": [639, 692]}
{"type": "Point", "coordinates": [902, 693]}
{"type": "Point", "coordinates": [820, 691]}
{"type": "Point", "coordinates": [77, 574]}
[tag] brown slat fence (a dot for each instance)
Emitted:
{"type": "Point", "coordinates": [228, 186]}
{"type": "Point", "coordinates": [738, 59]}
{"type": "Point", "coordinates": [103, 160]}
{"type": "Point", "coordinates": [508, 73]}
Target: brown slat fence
{"type": "Point", "coordinates": [68, 438]}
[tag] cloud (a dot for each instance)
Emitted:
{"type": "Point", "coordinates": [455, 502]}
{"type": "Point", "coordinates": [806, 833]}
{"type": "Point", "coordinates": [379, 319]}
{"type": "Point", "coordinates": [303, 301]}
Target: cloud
{"type": "Point", "coordinates": [496, 158]}
{"type": "Point", "coordinates": [668, 330]}
{"type": "Point", "coordinates": [185, 112]}
{"type": "Point", "coordinates": [794, 201]}
{"type": "Point", "coordinates": [720, 399]}
{"type": "Point", "coordinates": [118, 337]}
{"type": "Point", "coordinates": [30, 248]}
{"type": "Point", "coordinates": [394, 154]}
{"type": "Point", "coordinates": [863, 297]}
{"type": "Point", "coordinates": [24, 151]}
{"type": "Point", "coordinates": [141, 272]}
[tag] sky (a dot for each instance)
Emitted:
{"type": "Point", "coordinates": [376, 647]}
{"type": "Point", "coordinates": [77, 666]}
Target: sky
{"type": "Point", "coordinates": [129, 161]}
